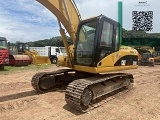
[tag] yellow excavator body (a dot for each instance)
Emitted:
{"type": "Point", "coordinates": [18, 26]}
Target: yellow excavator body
{"type": "Point", "coordinates": [95, 50]}
{"type": "Point", "coordinates": [107, 64]}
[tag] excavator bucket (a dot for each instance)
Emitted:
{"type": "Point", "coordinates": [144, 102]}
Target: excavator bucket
{"type": "Point", "coordinates": [37, 59]}
{"type": "Point", "coordinates": [19, 60]}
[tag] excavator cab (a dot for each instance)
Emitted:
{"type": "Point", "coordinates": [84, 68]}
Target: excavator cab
{"type": "Point", "coordinates": [96, 38]}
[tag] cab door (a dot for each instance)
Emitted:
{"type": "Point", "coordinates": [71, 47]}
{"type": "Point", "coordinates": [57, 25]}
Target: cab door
{"type": "Point", "coordinates": [108, 39]}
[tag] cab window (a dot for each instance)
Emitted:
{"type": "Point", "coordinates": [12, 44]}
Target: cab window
{"type": "Point", "coordinates": [107, 35]}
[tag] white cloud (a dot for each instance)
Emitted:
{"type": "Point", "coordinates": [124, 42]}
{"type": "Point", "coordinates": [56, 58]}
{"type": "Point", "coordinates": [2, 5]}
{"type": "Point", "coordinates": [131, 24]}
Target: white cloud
{"type": "Point", "coordinates": [25, 21]}
{"type": "Point", "coordinates": [97, 7]}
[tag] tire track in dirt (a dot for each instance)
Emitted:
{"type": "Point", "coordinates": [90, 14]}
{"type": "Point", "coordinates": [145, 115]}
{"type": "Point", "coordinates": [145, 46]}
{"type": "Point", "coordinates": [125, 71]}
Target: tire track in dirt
{"type": "Point", "coordinates": [16, 104]}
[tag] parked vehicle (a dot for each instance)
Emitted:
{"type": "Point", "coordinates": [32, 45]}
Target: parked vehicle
{"type": "Point", "coordinates": [145, 57]}
{"type": "Point", "coordinates": [17, 56]}
{"type": "Point", "coordinates": [20, 55]}
{"type": "Point", "coordinates": [4, 53]}
{"type": "Point", "coordinates": [52, 52]}
{"type": "Point", "coordinates": [96, 49]}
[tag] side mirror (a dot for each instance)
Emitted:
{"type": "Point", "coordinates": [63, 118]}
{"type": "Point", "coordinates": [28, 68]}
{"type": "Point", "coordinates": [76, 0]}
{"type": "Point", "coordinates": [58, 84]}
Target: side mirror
{"type": "Point", "coordinates": [8, 43]}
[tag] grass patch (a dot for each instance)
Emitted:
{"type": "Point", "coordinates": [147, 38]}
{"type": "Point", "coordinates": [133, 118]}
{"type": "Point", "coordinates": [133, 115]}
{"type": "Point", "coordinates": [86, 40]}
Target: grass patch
{"type": "Point", "coordinates": [10, 69]}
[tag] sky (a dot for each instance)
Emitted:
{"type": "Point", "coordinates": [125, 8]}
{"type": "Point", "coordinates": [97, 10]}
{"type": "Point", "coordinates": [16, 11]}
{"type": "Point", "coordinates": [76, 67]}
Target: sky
{"type": "Point", "coordinates": [28, 20]}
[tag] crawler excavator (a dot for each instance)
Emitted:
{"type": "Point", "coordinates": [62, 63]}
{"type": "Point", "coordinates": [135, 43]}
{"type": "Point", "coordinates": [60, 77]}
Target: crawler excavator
{"type": "Point", "coordinates": [93, 60]}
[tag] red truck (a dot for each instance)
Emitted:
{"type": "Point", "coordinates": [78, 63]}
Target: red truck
{"type": "Point", "coordinates": [4, 53]}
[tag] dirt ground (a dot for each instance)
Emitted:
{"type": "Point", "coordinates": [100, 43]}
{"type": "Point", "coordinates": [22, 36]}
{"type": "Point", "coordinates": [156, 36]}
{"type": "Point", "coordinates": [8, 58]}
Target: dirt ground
{"type": "Point", "coordinates": [19, 101]}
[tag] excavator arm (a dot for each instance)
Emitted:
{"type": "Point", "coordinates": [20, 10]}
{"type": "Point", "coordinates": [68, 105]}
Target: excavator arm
{"type": "Point", "coordinates": [66, 12]}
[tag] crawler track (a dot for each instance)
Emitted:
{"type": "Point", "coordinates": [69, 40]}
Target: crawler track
{"type": "Point", "coordinates": [85, 91]}
{"type": "Point", "coordinates": [37, 78]}
{"type": "Point", "coordinates": [75, 90]}
{"type": "Point", "coordinates": [47, 81]}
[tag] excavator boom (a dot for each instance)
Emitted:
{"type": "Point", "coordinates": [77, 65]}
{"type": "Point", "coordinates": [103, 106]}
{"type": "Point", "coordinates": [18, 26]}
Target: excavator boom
{"type": "Point", "coordinates": [66, 12]}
